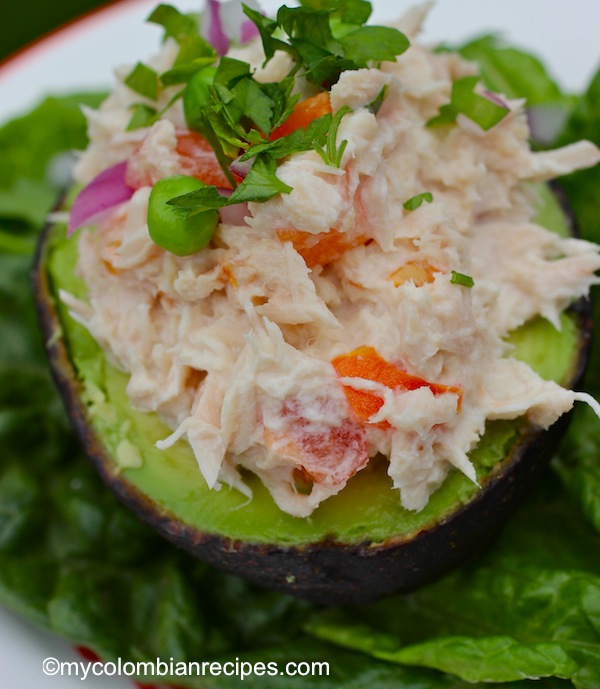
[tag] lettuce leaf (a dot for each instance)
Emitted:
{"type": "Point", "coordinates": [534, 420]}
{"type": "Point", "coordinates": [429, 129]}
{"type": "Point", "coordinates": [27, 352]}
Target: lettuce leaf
{"type": "Point", "coordinates": [578, 465]}
{"type": "Point", "coordinates": [528, 609]}
{"type": "Point", "coordinates": [512, 72]}
{"type": "Point", "coordinates": [31, 172]}
{"type": "Point", "coordinates": [582, 187]}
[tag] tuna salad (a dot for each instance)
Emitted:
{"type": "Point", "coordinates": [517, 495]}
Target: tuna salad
{"type": "Point", "coordinates": [307, 260]}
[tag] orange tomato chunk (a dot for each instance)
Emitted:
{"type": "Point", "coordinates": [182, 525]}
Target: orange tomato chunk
{"type": "Point", "coordinates": [303, 114]}
{"type": "Point", "coordinates": [366, 363]}
{"type": "Point", "coordinates": [197, 159]}
{"type": "Point", "coordinates": [322, 248]}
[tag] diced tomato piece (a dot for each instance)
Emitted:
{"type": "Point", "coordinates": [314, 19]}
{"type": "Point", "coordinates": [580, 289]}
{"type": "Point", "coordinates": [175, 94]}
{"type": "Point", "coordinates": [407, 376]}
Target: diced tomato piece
{"type": "Point", "coordinates": [366, 363]}
{"type": "Point", "coordinates": [322, 248]}
{"type": "Point", "coordinates": [303, 114]}
{"type": "Point", "coordinates": [198, 160]}
{"type": "Point", "coordinates": [333, 454]}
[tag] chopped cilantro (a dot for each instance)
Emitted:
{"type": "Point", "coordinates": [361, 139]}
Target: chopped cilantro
{"type": "Point", "coordinates": [143, 80]}
{"type": "Point", "coordinates": [237, 114]}
{"type": "Point", "coordinates": [332, 153]}
{"type": "Point", "coordinates": [181, 74]}
{"type": "Point", "coordinates": [325, 38]}
{"type": "Point", "coordinates": [295, 142]}
{"type": "Point", "coordinates": [143, 116]}
{"type": "Point", "coordinates": [460, 279]}
{"type": "Point", "coordinates": [194, 47]}
{"type": "Point", "coordinates": [175, 24]}
{"type": "Point", "coordinates": [260, 184]}
{"type": "Point", "coordinates": [374, 44]}
{"type": "Point", "coordinates": [416, 201]}
{"type": "Point", "coordinates": [377, 102]}
{"type": "Point", "coordinates": [195, 52]}
{"type": "Point", "coordinates": [464, 100]}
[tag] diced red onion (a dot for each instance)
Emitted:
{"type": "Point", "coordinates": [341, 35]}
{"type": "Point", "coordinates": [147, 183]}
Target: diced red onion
{"type": "Point", "coordinates": [226, 20]}
{"type": "Point", "coordinates": [234, 215]}
{"type": "Point", "coordinates": [241, 168]}
{"type": "Point", "coordinates": [104, 192]}
{"type": "Point", "coordinates": [495, 98]}
{"type": "Point", "coordinates": [216, 33]}
{"type": "Point", "coordinates": [248, 31]}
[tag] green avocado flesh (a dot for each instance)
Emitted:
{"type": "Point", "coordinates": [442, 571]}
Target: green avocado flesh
{"type": "Point", "coordinates": [367, 510]}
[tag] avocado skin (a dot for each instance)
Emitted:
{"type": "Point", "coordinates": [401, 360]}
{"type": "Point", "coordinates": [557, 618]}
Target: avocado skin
{"type": "Point", "coordinates": [327, 572]}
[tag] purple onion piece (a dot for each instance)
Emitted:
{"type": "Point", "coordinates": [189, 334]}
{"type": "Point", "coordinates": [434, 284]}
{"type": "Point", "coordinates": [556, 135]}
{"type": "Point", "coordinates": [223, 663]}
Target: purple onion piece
{"type": "Point", "coordinates": [235, 214]}
{"type": "Point", "coordinates": [216, 32]}
{"type": "Point", "coordinates": [248, 31]}
{"type": "Point", "coordinates": [241, 168]}
{"type": "Point", "coordinates": [495, 98]}
{"type": "Point", "coordinates": [103, 193]}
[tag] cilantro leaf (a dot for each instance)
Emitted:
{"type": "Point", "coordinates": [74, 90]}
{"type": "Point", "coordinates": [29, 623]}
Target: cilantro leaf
{"type": "Point", "coordinates": [175, 24]}
{"type": "Point", "coordinates": [195, 52]}
{"type": "Point", "coordinates": [374, 44]}
{"type": "Point", "coordinates": [377, 102]}
{"type": "Point", "coordinates": [267, 28]}
{"type": "Point", "coordinates": [181, 74]}
{"type": "Point", "coordinates": [260, 184]}
{"type": "Point", "coordinates": [326, 37]}
{"type": "Point", "coordinates": [309, 26]}
{"type": "Point", "coordinates": [194, 47]}
{"type": "Point", "coordinates": [460, 279]}
{"type": "Point", "coordinates": [483, 111]}
{"type": "Point", "coordinates": [143, 80]}
{"type": "Point", "coordinates": [332, 154]}
{"type": "Point", "coordinates": [347, 11]}
{"type": "Point", "coordinates": [282, 99]}
{"type": "Point", "coordinates": [295, 142]}
{"type": "Point", "coordinates": [416, 201]}
{"type": "Point", "coordinates": [143, 116]}
{"type": "Point", "coordinates": [255, 104]}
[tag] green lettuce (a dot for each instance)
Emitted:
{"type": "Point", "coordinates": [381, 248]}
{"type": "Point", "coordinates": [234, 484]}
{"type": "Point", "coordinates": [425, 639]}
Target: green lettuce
{"type": "Point", "coordinates": [31, 171]}
{"type": "Point", "coordinates": [529, 608]}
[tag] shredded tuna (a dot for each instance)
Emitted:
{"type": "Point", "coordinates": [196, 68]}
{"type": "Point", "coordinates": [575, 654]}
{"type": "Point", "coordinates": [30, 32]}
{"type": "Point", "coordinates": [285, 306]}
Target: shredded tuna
{"type": "Point", "coordinates": [233, 346]}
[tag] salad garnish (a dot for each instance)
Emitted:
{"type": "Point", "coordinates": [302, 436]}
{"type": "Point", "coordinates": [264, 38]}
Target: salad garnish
{"type": "Point", "coordinates": [266, 122]}
{"type": "Point", "coordinates": [417, 201]}
{"type": "Point", "coordinates": [461, 279]}
{"type": "Point", "coordinates": [480, 109]}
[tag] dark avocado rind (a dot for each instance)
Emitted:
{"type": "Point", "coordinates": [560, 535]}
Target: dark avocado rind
{"type": "Point", "coordinates": [323, 561]}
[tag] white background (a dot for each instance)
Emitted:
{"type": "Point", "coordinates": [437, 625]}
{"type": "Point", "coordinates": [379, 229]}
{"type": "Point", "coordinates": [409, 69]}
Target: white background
{"type": "Point", "coordinates": [564, 34]}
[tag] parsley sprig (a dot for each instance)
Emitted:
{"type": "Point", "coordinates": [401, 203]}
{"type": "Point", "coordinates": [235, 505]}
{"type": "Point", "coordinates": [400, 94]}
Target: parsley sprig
{"type": "Point", "coordinates": [326, 37]}
{"type": "Point", "coordinates": [237, 114]}
{"type": "Point", "coordinates": [332, 153]}
{"type": "Point", "coordinates": [464, 100]}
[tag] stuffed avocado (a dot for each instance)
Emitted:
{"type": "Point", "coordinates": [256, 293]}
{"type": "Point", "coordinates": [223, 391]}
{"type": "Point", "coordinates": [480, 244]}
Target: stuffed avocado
{"type": "Point", "coordinates": [329, 558]}
{"type": "Point", "coordinates": [326, 276]}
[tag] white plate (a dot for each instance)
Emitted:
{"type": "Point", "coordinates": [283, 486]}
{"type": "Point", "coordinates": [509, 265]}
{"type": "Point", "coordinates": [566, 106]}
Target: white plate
{"type": "Point", "coordinates": [82, 55]}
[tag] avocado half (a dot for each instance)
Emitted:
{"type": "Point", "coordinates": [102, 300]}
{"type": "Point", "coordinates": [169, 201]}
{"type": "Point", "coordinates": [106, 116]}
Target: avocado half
{"type": "Point", "coordinates": [357, 546]}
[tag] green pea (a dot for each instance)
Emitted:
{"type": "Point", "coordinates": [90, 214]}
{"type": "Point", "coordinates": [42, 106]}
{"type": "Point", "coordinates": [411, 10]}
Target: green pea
{"type": "Point", "coordinates": [170, 227]}
{"type": "Point", "coordinates": [196, 97]}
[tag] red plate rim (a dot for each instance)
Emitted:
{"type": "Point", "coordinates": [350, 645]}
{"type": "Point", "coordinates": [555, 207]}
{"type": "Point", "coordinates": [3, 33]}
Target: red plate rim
{"type": "Point", "coordinates": [32, 50]}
